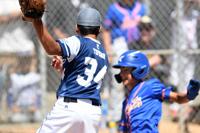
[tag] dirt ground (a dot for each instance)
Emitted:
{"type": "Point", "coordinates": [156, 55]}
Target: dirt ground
{"type": "Point", "coordinates": [171, 127]}
{"type": "Point", "coordinates": [165, 127]}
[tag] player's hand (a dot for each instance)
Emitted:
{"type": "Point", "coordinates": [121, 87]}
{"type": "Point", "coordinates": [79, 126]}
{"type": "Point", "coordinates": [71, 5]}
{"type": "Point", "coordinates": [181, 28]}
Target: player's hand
{"type": "Point", "coordinates": [57, 63]}
{"type": "Point", "coordinates": [193, 89]}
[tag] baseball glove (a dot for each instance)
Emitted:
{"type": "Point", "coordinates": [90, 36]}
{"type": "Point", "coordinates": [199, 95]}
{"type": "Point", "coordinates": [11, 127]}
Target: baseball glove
{"type": "Point", "coordinates": [32, 8]}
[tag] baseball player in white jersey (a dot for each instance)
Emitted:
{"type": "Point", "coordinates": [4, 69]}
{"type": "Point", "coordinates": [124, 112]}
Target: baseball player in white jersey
{"type": "Point", "coordinates": [77, 109]}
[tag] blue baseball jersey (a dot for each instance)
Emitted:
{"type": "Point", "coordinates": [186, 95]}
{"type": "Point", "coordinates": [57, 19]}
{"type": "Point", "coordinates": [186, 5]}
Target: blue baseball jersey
{"type": "Point", "coordinates": [85, 64]}
{"type": "Point", "coordinates": [123, 21]}
{"type": "Point", "coordinates": [142, 109]}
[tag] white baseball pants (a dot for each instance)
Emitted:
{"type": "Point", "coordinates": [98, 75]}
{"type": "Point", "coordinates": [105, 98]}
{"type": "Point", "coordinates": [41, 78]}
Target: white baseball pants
{"type": "Point", "coordinates": [80, 117]}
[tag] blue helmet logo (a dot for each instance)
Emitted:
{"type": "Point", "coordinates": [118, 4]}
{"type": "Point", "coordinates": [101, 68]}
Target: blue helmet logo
{"type": "Point", "coordinates": [137, 60]}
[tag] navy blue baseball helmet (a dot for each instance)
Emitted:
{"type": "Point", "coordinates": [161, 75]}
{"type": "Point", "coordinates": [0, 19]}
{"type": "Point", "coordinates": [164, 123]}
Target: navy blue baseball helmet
{"type": "Point", "coordinates": [136, 60]}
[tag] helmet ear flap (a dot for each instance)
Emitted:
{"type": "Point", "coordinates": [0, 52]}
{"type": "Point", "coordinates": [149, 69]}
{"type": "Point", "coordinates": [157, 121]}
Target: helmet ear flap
{"type": "Point", "coordinates": [135, 73]}
{"type": "Point", "coordinates": [140, 73]}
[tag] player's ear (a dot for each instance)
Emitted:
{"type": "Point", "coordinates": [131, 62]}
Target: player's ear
{"type": "Point", "coordinates": [77, 30]}
{"type": "Point", "coordinates": [100, 29]}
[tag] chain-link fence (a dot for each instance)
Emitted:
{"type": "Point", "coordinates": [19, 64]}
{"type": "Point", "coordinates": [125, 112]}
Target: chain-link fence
{"type": "Point", "coordinates": [176, 42]}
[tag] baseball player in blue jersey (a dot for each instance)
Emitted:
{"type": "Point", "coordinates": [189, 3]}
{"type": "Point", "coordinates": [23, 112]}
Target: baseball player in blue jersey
{"type": "Point", "coordinates": [142, 108]}
{"type": "Point", "coordinates": [122, 19]}
{"type": "Point", "coordinates": [77, 109]}
{"type": "Point", "coordinates": [120, 29]}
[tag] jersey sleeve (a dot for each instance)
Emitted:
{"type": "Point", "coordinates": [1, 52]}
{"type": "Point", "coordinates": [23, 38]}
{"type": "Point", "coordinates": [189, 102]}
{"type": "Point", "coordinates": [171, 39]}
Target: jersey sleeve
{"type": "Point", "coordinates": [123, 123]}
{"type": "Point", "coordinates": [69, 47]}
{"type": "Point", "coordinates": [166, 93]}
{"type": "Point", "coordinates": [160, 91]}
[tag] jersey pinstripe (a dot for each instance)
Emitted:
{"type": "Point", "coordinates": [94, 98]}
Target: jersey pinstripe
{"type": "Point", "coordinates": [142, 109]}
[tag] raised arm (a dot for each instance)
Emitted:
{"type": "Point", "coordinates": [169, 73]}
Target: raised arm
{"type": "Point", "coordinates": [48, 42]}
{"type": "Point", "coordinates": [32, 12]}
{"type": "Point", "coordinates": [192, 92]}
{"type": "Point", "coordinates": [178, 97]}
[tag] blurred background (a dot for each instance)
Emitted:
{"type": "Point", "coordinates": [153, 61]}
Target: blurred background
{"type": "Point", "coordinates": [169, 33]}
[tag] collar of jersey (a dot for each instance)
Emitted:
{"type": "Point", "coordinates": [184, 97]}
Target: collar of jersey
{"type": "Point", "coordinates": [95, 40]}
